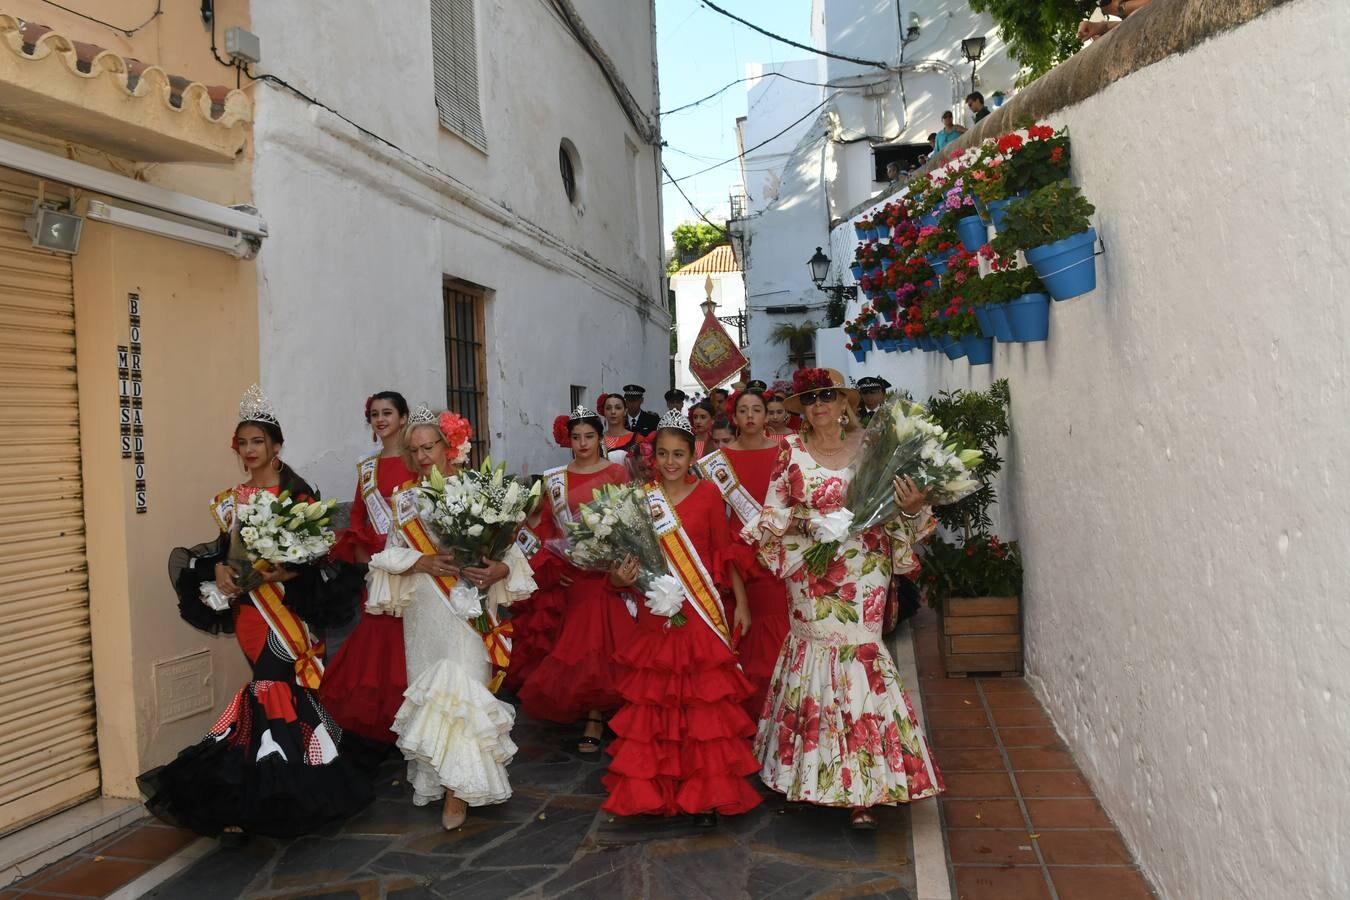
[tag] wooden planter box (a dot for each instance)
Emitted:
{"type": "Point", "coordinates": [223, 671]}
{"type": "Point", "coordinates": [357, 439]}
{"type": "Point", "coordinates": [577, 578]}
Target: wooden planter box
{"type": "Point", "coordinates": [981, 634]}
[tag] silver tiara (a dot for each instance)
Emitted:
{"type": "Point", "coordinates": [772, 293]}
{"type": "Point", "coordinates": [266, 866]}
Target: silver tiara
{"type": "Point", "coordinates": [675, 419]}
{"type": "Point", "coordinates": [581, 412]}
{"type": "Point", "coordinates": [256, 407]}
{"type": "Point", "coordinates": [422, 416]}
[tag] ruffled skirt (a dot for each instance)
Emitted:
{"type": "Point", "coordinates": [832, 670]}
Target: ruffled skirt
{"type": "Point", "coordinates": [455, 735]}
{"type": "Point", "coordinates": [839, 729]}
{"type": "Point", "coordinates": [580, 672]}
{"type": "Point", "coordinates": [683, 735]}
{"type": "Point", "coordinates": [760, 645]}
{"type": "Point", "coordinates": [364, 682]}
{"type": "Point", "coordinates": [273, 764]}
{"type": "Point", "coordinates": [535, 624]}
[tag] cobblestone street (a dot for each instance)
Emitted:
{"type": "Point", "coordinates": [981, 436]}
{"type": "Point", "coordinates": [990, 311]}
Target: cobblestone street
{"type": "Point", "coordinates": [552, 840]}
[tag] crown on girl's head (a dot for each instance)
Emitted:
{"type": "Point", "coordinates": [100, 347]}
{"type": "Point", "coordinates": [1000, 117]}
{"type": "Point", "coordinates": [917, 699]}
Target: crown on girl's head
{"type": "Point", "coordinates": [675, 419]}
{"type": "Point", "coordinates": [422, 416]}
{"type": "Point", "coordinates": [581, 412]}
{"type": "Point", "coordinates": [256, 407]}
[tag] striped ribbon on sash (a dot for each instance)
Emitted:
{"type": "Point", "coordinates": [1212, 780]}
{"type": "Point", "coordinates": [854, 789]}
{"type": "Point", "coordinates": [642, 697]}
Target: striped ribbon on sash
{"type": "Point", "coordinates": [222, 509]}
{"type": "Point", "coordinates": [496, 635]}
{"type": "Point", "coordinates": [368, 482]}
{"type": "Point", "coordinates": [718, 469]}
{"type": "Point", "coordinates": [555, 480]}
{"type": "Point", "coordinates": [683, 561]}
{"type": "Point", "coordinates": [291, 631]}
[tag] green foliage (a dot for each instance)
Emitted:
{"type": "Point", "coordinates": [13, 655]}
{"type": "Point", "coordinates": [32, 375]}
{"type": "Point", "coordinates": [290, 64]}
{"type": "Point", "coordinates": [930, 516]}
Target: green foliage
{"type": "Point", "coordinates": [694, 237]}
{"type": "Point", "coordinates": [837, 311]}
{"type": "Point", "coordinates": [977, 564]}
{"type": "Point", "coordinates": [1040, 34]}
{"type": "Point", "coordinates": [1009, 284]}
{"type": "Point", "coordinates": [798, 338]}
{"type": "Point", "coordinates": [1049, 214]}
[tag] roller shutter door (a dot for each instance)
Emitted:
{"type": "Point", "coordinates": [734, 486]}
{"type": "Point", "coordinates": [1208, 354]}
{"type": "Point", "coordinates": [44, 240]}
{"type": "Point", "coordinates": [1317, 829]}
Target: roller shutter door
{"type": "Point", "coordinates": [48, 755]}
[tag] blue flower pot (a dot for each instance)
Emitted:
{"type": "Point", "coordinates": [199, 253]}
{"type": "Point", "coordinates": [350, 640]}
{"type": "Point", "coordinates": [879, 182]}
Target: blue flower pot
{"type": "Point", "coordinates": [939, 263]}
{"type": "Point", "coordinates": [1068, 267]}
{"type": "Point", "coordinates": [859, 355]}
{"type": "Point", "coordinates": [861, 232]}
{"type": "Point", "coordinates": [979, 350]}
{"type": "Point", "coordinates": [865, 343]}
{"type": "Point", "coordinates": [986, 323]}
{"type": "Point", "coordinates": [880, 233]}
{"type": "Point", "coordinates": [857, 272]}
{"type": "Point", "coordinates": [998, 318]}
{"type": "Point", "coordinates": [929, 219]}
{"type": "Point", "coordinates": [954, 348]}
{"type": "Point", "coordinates": [1029, 318]}
{"type": "Point", "coordinates": [906, 344]}
{"type": "Point", "coordinates": [997, 100]}
{"type": "Point", "coordinates": [997, 209]}
{"type": "Point", "coordinates": [886, 263]}
{"type": "Point", "coordinates": [974, 233]}
{"type": "Point", "coordinates": [888, 345]}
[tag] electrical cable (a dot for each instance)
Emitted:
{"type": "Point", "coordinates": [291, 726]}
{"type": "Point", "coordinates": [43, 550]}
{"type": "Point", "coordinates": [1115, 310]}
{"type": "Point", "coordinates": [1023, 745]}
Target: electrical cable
{"type": "Point", "coordinates": [698, 212]}
{"type": "Point", "coordinates": [791, 43]}
{"type": "Point", "coordinates": [756, 147]}
{"type": "Point", "coordinates": [159, 11]}
{"type": "Point", "coordinates": [847, 87]}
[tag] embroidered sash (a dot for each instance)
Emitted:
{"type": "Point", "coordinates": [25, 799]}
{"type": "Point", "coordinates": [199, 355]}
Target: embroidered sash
{"type": "Point", "coordinates": [684, 563]}
{"type": "Point", "coordinates": [222, 509]}
{"type": "Point", "coordinates": [528, 542]}
{"type": "Point", "coordinates": [368, 483]}
{"type": "Point", "coordinates": [496, 635]}
{"type": "Point", "coordinates": [291, 631]}
{"type": "Point", "coordinates": [555, 481]}
{"type": "Point", "coordinates": [718, 469]}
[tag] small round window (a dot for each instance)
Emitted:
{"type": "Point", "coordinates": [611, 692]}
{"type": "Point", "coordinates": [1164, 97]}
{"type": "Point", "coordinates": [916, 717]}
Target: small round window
{"type": "Point", "coordinates": [570, 168]}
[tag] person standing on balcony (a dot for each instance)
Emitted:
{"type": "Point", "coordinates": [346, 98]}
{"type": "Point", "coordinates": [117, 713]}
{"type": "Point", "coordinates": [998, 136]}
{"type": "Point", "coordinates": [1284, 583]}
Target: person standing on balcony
{"type": "Point", "coordinates": [949, 133]}
{"type": "Point", "coordinates": [975, 103]}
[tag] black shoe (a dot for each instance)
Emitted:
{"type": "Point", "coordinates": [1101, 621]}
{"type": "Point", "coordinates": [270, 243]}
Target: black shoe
{"type": "Point", "coordinates": [234, 839]}
{"type": "Point", "coordinates": [705, 820]}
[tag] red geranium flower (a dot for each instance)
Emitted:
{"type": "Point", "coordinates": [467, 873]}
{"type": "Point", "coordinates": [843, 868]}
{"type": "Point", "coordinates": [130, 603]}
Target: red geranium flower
{"type": "Point", "coordinates": [1009, 142]}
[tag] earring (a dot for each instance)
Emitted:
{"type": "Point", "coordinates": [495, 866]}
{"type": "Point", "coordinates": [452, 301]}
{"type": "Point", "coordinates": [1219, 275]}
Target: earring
{"type": "Point", "coordinates": [276, 464]}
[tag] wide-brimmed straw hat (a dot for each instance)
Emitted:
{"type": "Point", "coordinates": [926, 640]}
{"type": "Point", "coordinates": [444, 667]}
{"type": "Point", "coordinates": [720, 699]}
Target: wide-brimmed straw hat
{"type": "Point", "coordinates": [808, 380]}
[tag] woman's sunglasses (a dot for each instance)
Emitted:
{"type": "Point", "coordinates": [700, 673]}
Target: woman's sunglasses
{"type": "Point", "coordinates": [828, 395]}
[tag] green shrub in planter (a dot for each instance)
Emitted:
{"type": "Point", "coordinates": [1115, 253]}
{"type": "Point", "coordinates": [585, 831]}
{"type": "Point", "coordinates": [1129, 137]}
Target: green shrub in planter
{"type": "Point", "coordinates": [1052, 213]}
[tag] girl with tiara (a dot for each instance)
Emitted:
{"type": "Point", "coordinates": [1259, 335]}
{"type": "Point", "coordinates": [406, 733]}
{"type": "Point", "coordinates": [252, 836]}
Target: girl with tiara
{"type": "Point", "coordinates": [367, 676]}
{"type": "Point", "coordinates": [455, 735]}
{"type": "Point", "coordinates": [275, 761]}
{"type": "Point", "coordinates": [578, 679]}
{"type": "Point", "coordinates": [683, 737]}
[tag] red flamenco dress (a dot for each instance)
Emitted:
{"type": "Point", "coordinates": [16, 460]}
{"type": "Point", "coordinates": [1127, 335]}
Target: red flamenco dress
{"type": "Point", "coordinates": [579, 673]}
{"type": "Point", "coordinates": [363, 687]}
{"type": "Point", "coordinates": [536, 621]}
{"type": "Point", "coordinates": [683, 741]}
{"type": "Point", "coordinates": [766, 592]}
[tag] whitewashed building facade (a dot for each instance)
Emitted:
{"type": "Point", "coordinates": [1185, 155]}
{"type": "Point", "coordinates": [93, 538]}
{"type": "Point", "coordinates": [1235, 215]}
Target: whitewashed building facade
{"type": "Point", "coordinates": [866, 116]}
{"type": "Point", "coordinates": [487, 239]}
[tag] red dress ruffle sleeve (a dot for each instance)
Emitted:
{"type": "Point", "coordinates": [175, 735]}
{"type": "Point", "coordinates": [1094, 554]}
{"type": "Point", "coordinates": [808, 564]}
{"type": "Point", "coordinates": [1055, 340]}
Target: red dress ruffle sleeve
{"type": "Point", "coordinates": [683, 735]}
{"type": "Point", "coordinates": [579, 673]}
{"type": "Point", "coordinates": [364, 681]}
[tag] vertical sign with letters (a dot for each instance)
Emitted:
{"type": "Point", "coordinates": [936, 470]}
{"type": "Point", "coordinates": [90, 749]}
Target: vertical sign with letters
{"type": "Point", "coordinates": [133, 412]}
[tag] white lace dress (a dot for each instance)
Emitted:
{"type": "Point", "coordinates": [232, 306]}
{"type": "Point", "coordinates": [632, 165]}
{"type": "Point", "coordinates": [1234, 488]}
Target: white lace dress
{"type": "Point", "coordinates": [455, 734]}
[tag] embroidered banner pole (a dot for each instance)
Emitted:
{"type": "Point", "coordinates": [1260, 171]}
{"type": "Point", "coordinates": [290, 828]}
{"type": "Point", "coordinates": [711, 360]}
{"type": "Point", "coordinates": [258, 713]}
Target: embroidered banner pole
{"type": "Point", "coordinates": [714, 358]}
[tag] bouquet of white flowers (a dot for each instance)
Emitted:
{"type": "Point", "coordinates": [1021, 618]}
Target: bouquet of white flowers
{"type": "Point", "coordinates": [475, 513]}
{"type": "Point", "coordinates": [279, 530]}
{"type": "Point", "coordinates": [618, 523]}
{"type": "Point", "coordinates": [900, 440]}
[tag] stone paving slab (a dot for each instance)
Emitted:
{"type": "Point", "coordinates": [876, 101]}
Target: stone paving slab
{"type": "Point", "coordinates": [553, 840]}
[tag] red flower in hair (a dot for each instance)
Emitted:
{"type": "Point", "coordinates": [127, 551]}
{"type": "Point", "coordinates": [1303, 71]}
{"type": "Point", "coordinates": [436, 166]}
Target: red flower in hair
{"type": "Point", "coordinates": [560, 435]}
{"type": "Point", "coordinates": [369, 400]}
{"type": "Point", "coordinates": [600, 404]}
{"type": "Point", "coordinates": [458, 433]}
{"type": "Point", "coordinates": [811, 380]}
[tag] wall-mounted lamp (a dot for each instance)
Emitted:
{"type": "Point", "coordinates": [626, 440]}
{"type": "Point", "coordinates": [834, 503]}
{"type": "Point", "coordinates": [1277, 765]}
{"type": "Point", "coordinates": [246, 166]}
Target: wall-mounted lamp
{"type": "Point", "coordinates": [913, 31]}
{"type": "Point", "coordinates": [52, 228]}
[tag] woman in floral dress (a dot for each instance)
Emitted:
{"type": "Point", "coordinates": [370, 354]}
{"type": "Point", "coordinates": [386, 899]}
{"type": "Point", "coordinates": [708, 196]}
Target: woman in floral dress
{"type": "Point", "coordinates": [838, 728]}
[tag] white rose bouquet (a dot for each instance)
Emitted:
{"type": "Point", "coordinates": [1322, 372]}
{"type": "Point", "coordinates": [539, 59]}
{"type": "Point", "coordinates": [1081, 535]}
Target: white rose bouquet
{"type": "Point", "coordinates": [615, 524]}
{"type": "Point", "coordinates": [279, 530]}
{"type": "Point", "coordinates": [475, 513]}
{"type": "Point", "coordinates": [900, 440]}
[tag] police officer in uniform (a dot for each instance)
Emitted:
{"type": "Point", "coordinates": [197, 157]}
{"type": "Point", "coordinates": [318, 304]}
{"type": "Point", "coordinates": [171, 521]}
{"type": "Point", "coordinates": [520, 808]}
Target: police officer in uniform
{"type": "Point", "coordinates": [675, 400]}
{"type": "Point", "coordinates": [638, 419]}
{"type": "Point", "coordinates": [871, 392]}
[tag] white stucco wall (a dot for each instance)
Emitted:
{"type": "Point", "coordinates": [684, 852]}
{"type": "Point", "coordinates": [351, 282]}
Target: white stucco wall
{"type": "Point", "coordinates": [1175, 474]}
{"type": "Point", "coordinates": [728, 293]}
{"type": "Point", "coordinates": [363, 235]}
{"type": "Point", "coordinates": [772, 104]}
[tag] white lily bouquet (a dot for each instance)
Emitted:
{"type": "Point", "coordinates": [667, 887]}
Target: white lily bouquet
{"type": "Point", "coordinates": [615, 524]}
{"type": "Point", "coordinates": [900, 440]}
{"type": "Point", "coordinates": [280, 530]}
{"type": "Point", "coordinates": [475, 514]}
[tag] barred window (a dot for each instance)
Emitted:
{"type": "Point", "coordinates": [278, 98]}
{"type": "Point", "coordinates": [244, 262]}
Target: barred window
{"type": "Point", "coordinates": [466, 362]}
{"type": "Point", "coordinates": [454, 57]}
